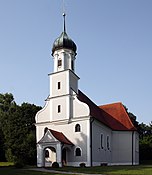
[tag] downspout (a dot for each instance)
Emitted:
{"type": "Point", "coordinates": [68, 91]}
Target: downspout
{"type": "Point", "coordinates": [91, 122]}
{"type": "Point", "coordinates": [132, 147]}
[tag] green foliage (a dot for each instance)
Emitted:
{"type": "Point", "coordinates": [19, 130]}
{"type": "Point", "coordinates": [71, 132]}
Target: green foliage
{"type": "Point", "coordinates": [133, 118]}
{"type": "Point", "coordinates": [2, 152]}
{"type": "Point", "coordinates": [6, 100]}
{"type": "Point", "coordinates": [19, 164]}
{"type": "Point", "coordinates": [145, 137]}
{"type": "Point", "coordinates": [145, 145]}
{"type": "Point", "coordinates": [9, 155]}
{"type": "Point", "coordinates": [17, 130]}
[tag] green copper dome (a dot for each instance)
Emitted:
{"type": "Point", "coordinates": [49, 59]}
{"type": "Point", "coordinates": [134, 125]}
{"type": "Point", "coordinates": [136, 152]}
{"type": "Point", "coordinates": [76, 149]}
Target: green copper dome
{"type": "Point", "coordinates": [64, 42]}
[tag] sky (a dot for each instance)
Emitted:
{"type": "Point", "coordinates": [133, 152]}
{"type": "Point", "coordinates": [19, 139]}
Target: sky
{"type": "Point", "coordinates": [114, 55]}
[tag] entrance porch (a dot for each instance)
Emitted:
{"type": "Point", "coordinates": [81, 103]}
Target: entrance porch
{"type": "Point", "coordinates": [53, 147]}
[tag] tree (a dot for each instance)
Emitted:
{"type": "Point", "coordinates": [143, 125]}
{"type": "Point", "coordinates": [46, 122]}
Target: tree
{"type": "Point", "coordinates": [28, 116]}
{"type": "Point", "coordinates": [145, 145]}
{"type": "Point", "coordinates": [133, 118]}
{"type": "Point", "coordinates": [145, 137]}
{"type": "Point", "coordinates": [6, 100]}
{"type": "Point", "coordinates": [18, 130]}
{"type": "Point", "coordinates": [2, 151]}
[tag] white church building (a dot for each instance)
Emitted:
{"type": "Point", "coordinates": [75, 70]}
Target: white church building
{"type": "Point", "coordinates": [71, 129]}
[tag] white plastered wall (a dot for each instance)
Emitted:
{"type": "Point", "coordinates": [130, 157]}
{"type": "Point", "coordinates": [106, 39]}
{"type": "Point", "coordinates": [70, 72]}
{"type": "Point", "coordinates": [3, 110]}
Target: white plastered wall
{"type": "Point", "coordinates": [68, 80]}
{"type": "Point", "coordinates": [79, 139]}
{"type": "Point", "coordinates": [66, 55]}
{"type": "Point", "coordinates": [136, 148]}
{"type": "Point", "coordinates": [80, 109]}
{"type": "Point", "coordinates": [43, 114]}
{"type": "Point", "coordinates": [80, 115]}
{"type": "Point", "coordinates": [101, 154]}
{"type": "Point", "coordinates": [122, 148]}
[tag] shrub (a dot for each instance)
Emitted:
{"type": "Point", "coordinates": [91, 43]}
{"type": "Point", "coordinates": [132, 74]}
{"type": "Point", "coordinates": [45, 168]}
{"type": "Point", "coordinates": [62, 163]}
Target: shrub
{"type": "Point", "coordinates": [82, 165]}
{"type": "Point", "coordinates": [55, 165]}
{"type": "Point", "coordinates": [19, 164]}
{"type": "Point", "coordinates": [103, 164]}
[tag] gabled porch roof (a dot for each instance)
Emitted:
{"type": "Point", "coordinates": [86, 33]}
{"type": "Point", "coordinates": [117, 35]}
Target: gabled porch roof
{"type": "Point", "coordinates": [52, 136]}
{"type": "Point", "coordinates": [61, 137]}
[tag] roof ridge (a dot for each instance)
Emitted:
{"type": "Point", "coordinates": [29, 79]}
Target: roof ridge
{"type": "Point", "coordinates": [112, 115]}
{"type": "Point", "coordinates": [128, 117]}
{"type": "Point", "coordinates": [109, 104]}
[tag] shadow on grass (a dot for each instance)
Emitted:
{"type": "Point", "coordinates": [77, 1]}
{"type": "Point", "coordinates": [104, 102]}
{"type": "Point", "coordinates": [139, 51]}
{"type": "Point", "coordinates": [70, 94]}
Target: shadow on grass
{"type": "Point", "coordinates": [15, 171]}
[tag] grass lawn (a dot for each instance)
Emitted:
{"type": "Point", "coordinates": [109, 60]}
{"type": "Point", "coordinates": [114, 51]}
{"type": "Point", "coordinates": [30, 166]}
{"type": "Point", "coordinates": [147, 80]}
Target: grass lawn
{"type": "Point", "coordinates": [14, 171]}
{"type": "Point", "coordinates": [8, 169]}
{"type": "Point", "coordinates": [6, 164]}
{"type": "Point", "coordinates": [113, 170]}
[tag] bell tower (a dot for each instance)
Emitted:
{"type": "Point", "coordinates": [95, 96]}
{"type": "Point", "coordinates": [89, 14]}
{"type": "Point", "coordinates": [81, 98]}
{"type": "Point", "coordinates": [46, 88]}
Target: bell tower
{"type": "Point", "coordinates": [64, 51]}
{"type": "Point", "coordinates": [63, 80]}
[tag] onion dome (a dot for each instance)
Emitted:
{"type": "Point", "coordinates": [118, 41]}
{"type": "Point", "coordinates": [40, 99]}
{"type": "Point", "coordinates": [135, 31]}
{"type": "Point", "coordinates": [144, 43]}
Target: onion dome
{"type": "Point", "coordinates": [64, 42]}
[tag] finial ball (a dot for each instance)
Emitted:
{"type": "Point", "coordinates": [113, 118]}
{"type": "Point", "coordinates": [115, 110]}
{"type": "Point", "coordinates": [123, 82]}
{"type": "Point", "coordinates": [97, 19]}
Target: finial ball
{"type": "Point", "coordinates": [64, 14]}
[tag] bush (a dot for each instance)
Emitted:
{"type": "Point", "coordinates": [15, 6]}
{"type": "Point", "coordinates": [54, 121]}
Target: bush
{"type": "Point", "coordinates": [19, 164]}
{"type": "Point", "coordinates": [82, 165]}
{"type": "Point", "coordinates": [104, 164]}
{"type": "Point", "coordinates": [55, 165]}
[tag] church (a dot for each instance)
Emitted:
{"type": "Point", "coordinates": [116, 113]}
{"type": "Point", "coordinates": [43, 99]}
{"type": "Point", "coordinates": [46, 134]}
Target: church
{"type": "Point", "coordinates": [71, 129]}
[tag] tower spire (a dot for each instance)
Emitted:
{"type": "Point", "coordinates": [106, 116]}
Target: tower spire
{"type": "Point", "coordinates": [64, 15]}
{"type": "Point", "coordinates": [63, 41]}
{"type": "Point", "coordinates": [64, 27]}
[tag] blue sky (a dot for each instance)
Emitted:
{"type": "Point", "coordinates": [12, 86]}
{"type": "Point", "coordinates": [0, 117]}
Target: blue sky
{"type": "Point", "coordinates": [114, 40]}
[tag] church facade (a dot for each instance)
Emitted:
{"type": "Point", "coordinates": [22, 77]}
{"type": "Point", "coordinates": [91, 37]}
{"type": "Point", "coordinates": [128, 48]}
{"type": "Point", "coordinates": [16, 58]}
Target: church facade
{"type": "Point", "coordinates": [71, 129]}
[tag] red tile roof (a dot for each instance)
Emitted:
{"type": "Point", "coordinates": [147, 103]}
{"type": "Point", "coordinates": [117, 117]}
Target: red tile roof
{"type": "Point", "coordinates": [61, 137]}
{"type": "Point", "coordinates": [112, 115]}
{"type": "Point", "coordinates": [119, 114]}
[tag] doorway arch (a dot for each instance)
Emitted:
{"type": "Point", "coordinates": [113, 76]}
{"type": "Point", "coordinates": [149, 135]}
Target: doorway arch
{"type": "Point", "coordinates": [64, 157]}
{"type": "Point", "coordinates": [49, 156]}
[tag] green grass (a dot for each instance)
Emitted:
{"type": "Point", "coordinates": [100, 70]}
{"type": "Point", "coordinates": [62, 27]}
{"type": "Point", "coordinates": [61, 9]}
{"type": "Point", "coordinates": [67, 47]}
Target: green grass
{"type": "Point", "coordinates": [113, 170]}
{"type": "Point", "coordinates": [6, 164]}
{"type": "Point", "coordinates": [14, 171]}
{"type": "Point", "coordinates": [8, 169]}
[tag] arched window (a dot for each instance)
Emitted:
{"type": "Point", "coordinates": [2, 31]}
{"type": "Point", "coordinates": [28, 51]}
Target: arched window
{"type": "Point", "coordinates": [46, 153]}
{"type": "Point", "coordinates": [101, 140]}
{"type": "Point", "coordinates": [59, 85]}
{"type": "Point", "coordinates": [108, 142]}
{"type": "Point", "coordinates": [72, 65]}
{"type": "Point", "coordinates": [59, 108]}
{"type": "Point", "coordinates": [59, 62]}
{"type": "Point", "coordinates": [78, 152]}
{"type": "Point", "coordinates": [45, 130]}
{"type": "Point", "coordinates": [77, 128]}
